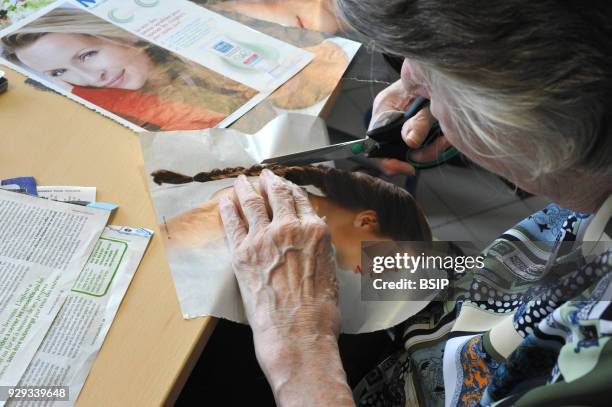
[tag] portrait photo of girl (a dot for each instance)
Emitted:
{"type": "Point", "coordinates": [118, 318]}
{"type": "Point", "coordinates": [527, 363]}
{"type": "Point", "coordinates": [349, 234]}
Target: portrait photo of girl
{"type": "Point", "coordinates": [356, 207]}
{"type": "Point", "coordinates": [123, 74]}
{"type": "Point", "coordinates": [189, 173]}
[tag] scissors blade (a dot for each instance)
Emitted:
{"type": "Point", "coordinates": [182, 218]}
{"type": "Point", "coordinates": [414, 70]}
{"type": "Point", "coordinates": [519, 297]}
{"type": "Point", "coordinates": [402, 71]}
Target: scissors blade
{"type": "Point", "coordinates": [328, 153]}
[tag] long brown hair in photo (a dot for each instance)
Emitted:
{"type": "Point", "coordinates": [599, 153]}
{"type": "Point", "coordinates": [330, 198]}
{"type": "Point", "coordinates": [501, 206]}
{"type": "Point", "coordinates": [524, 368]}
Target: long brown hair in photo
{"type": "Point", "coordinates": [399, 215]}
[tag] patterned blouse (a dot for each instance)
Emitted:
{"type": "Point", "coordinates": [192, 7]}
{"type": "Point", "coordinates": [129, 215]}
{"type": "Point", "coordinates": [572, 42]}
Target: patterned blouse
{"type": "Point", "coordinates": [531, 328]}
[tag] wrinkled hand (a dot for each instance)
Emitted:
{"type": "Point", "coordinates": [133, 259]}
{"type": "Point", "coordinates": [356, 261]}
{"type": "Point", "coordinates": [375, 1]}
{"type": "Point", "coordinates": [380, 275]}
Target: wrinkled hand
{"type": "Point", "coordinates": [414, 131]}
{"type": "Point", "coordinates": [284, 262]}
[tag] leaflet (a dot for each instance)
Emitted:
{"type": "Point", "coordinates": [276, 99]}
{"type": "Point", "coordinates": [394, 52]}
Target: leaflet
{"type": "Point", "coordinates": [67, 193]}
{"type": "Point", "coordinates": [154, 65]}
{"type": "Point", "coordinates": [68, 352]}
{"type": "Point", "coordinates": [43, 248]}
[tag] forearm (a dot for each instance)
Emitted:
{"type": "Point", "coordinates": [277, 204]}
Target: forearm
{"type": "Point", "coordinates": [286, 273]}
{"type": "Point", "coordinates": [306, 371]}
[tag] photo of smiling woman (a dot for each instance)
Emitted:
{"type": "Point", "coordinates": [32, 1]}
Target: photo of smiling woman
{"type": "Point", "coordinates": [123, 74]}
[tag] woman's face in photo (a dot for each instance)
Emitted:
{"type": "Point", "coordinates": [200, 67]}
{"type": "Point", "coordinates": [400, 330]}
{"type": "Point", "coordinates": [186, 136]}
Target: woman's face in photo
{"type": "Point", "coordinates": [348, 227]}
{"type": "Point", "coordinates": [83, 60]}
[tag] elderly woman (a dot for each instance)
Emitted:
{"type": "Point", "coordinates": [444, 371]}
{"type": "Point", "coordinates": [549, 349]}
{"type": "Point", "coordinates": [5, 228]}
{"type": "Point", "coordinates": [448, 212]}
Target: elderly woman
{"type": "Point", "coordinates": [523, 89]}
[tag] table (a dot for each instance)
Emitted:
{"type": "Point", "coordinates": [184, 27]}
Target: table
{"type": "Point", "coordinates": [150, 349]}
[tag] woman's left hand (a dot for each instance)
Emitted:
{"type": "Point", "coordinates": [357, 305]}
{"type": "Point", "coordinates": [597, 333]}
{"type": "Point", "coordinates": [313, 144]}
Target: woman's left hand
{"type": "Point", "coordinates": [286, 272]}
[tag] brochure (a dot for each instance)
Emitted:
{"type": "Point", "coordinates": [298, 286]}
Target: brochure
{"type": "Point", "coordinates": [154, 64]}
{"type": "Point", "coordinates": [43, 248]}
{"type": "Point", "coordinates": [69, 349]}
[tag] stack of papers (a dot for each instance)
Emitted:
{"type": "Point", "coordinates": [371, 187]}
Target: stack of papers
{"type": "Point", "coordinates": [63, 274]}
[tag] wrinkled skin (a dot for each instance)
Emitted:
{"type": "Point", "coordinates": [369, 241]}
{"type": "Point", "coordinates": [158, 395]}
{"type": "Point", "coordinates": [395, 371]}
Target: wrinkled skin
{"type": "Point", "coordinates": [398, 97]}
{"type": "Point", "coordinates": [283, 261]}
{"type": "Point", "coordinates": [286, 273]}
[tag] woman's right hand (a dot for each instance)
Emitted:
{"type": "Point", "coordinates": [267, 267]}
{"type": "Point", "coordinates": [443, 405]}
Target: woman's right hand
{"type": "Point", "coordinates": [414, 131]}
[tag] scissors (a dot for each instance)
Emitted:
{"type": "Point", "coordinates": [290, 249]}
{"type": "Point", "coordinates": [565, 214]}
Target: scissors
{"type": "Point", "coordinates": [381, 142]}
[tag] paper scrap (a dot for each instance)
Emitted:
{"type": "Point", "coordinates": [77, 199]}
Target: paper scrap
{"type": "Point", "coordinates": [68, 193]}
{"type": "Point", "coordinates": [193, 234]}
{"type": "Point", "coordinates": [69, 349]}
{"type": "Point", "coordinates": [44, 245]}
{"type": "Point", "coordinates": [12, 187]}
{"type": "Point", "coordinates": [26, 183]}
{"type": "Point", "coordinates": [103, 205]}
{"type": "Point", "coordinates": [309, 90]}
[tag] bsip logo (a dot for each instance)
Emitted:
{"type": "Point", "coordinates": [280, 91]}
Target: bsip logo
{"type": "Point", "coordinates": [121, 14]}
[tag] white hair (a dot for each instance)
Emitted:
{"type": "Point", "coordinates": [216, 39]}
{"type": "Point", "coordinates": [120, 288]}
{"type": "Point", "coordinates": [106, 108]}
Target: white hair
{"type": "Point", "coordinates": [527, 83]}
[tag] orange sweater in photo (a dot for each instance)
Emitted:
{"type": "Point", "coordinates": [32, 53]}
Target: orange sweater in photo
{"type": "Point", "coordinates": [142, 108]}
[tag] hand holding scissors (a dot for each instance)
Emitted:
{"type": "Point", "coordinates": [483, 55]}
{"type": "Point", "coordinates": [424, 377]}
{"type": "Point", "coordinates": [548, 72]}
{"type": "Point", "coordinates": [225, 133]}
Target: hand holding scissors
{"type": "Point", "coordinates": [381, 142]}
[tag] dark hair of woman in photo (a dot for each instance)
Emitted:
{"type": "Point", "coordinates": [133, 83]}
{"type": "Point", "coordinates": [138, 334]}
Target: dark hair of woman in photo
{"type": "Point", "coordinates": [399, 215]}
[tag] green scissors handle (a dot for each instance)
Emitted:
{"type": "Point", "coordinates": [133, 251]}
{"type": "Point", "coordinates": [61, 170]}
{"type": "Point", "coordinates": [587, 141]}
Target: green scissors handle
{"type": "Point", "coordinates": [391, 145]}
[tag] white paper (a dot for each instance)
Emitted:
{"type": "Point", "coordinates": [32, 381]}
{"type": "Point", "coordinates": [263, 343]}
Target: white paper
{"type": "Point", "coordinates": [70, 347]}
{"type": "Point", "coordinates": [201, 267]}
{"type": "Point", "coordinates": [43, 248]}
{"type": "Point", "coordinates": [256, 63]}
{"type": "Point", "coordinates": [67, 193]}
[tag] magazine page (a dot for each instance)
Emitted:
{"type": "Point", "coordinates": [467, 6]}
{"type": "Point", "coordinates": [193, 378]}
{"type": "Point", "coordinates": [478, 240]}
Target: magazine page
{"type": "Point", "coordinates": [69, 349]}
{"type": "Point", "coordinates": [151, 65]}
{"type": "Point", "coordinates": [43, 248]}
{"type": "Point", "coordinates": [299, 24]}
{"type": "Point", "coordinates": [189, 174]}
